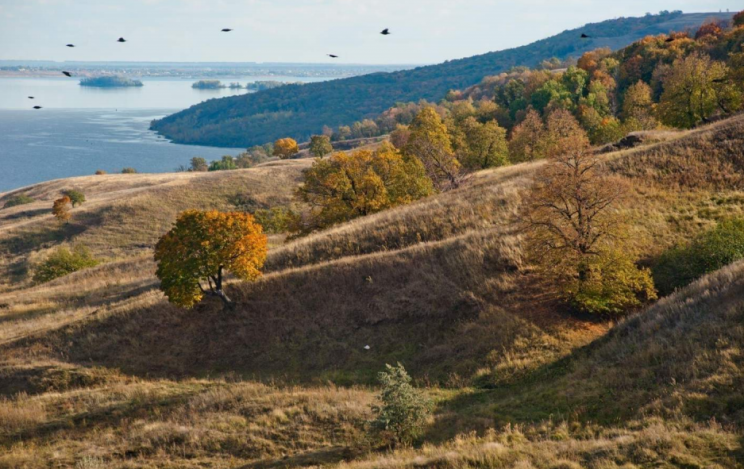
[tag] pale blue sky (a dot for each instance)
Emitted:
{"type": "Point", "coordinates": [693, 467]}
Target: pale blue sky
{"type": "Point", "coordinates": [424, 31]}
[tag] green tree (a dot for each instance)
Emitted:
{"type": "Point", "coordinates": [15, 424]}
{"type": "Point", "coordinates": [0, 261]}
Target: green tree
{"type": "Point", "coordinates": [199, 164]}
{"type": "Point", "coordinates": [227, 163]}
{"type": "Point", "coordinates": [76, 197]}
{"type": "Point", "coordinates": [429, 141]}
{"type": "Point", "coordinates": [320, 145]}
{"type": "Point", "coordinates": [62, 262]}
{"type": "Point", "coordinates": [194, 255]}
{"type": "Point", "coordinates": [404, 410]}
{"type": "Point", "coordinates": [480, 146]}
{"type": "Point", "coordinates": [694, 89]}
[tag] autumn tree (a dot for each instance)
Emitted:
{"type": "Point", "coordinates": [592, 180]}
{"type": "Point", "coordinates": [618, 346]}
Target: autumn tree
{"type": "Point", "coordinates": [695, 88]}
{"type": "Point", "coordinates": [574, 233]}
{"type": "Point", "coordinates": [199, 164]}
{"type": "Point", "coordinates": [286, 148]}
{"type": "Point", "coordinates": [429, 142]}
{"type": "Point", "coordinates": [399, 136]}
{"type": "Point", "coordinates": [638, 106]}
{"type": "Point", "coordinates": [739, 19]}
{"type": "Point", "coordinates": [61, 209]}
{"type": "Point", "coordinates": [194, 256]}
{"type": "Point", "coordinates": [320, 145]}
{"type": "Point", "coordinates": [480, 146]}
{"type": "Point", "coordinates": [528, 138]}
{"type": "Point", "coordinates": [345, 186]}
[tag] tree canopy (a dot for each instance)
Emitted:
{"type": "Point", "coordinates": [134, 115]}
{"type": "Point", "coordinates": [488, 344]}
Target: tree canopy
{"type": "Point", "coordinates": [195, 254]}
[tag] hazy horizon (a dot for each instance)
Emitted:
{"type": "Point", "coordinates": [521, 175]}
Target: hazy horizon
{"type": "Point", "coordinates": [298, 31]}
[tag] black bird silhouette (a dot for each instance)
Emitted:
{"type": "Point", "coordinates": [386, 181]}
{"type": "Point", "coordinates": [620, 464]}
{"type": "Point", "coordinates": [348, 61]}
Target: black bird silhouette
{"type": "Point", "coordinates": [37, 107]}
{"type": "Point", "coordinates": [332, 56]}
{"type": "Point", "coordinates": [70, 45]}
{"type": "Point", "coordinates": [584, 36]}
{"type": "Point", "coordinates": [670, 39]}
{"type": "Point", "coordinates": [226, 30]}
{"type": "Point", "coordinates": [121, 39]}
{"type": "Point", "coordinates": [385, 32]}
{"type": "Point", "coordinates": [67, 74]}
{"type": "Point", "coordinates": [30, 97]}
{"type": "Point", "coordinates": [720, 80]}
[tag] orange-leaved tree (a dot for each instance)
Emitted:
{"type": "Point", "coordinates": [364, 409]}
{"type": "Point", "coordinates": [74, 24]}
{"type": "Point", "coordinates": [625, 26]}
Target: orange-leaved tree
{"type": "Point", "coordinates": [286, 148]}
{"type": "Point", "coordinates": [574, 232]}
{"type": "Point", "coordinates": [202, 246]}
{"type": "Point", "coordinates": [61, 209]}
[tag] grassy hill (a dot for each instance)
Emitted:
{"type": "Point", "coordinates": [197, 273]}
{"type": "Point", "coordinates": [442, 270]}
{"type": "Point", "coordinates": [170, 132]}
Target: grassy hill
{"type": "Point", "coordinates": [299, 111]}
{"type": "Point", "coordinates": [98, 370]}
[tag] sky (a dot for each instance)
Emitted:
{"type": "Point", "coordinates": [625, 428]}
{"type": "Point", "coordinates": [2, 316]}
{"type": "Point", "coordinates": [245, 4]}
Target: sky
{"type": "Point", "coordinates": [423, 31]}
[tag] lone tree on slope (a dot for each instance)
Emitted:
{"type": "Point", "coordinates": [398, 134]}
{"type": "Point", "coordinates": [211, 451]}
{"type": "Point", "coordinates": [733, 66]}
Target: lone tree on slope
{"type": "Point", "coordinates": [201, 248]}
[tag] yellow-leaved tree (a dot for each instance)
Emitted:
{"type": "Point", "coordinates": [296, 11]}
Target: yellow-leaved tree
{"type": "Point", "coordinates": [429, 141]}
{"type": "Point", "coordinates": [286, 148]}
{"type": "Point", "coordinates": [345, 186]}
{"type": "Point", "coordinates": [202, 246]}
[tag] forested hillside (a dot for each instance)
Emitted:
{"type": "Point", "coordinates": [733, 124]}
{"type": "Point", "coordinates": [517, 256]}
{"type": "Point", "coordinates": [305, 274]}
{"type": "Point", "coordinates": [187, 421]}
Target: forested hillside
{"type": "Point", "coordinates": [299, 111]}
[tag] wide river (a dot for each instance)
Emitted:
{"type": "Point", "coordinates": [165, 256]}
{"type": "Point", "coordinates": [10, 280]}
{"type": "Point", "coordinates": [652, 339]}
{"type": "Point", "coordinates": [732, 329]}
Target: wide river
{"type": "Point", "coordinates": [83, 129]}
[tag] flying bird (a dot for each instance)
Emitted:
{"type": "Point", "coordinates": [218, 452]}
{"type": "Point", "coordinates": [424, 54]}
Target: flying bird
{"type": "Point", "coordinates": [385, 32]}
{"type": "Point", "coordinates": [332, 56]}
{"type": "Point", "coordinates": [121, 39]}
{"type": "Point", "coordinates": [70, 45]}
{"type": "Point", "coordinates": [584, 36]}
{"type": "Point", "coordinates": [67, 74]}
{"type": "Point", "coordinates": [367, 347]}
{"type": "Point", "coordinates": [720, 80]}
{"type": "Point", "coordinates": [37, 107]}
{"type": "Point", "coordinates": [670, 39]}
{"type": "Point", "coordinates": [30, 97]}
{"type": "Point", "coordinates": [226, 30]}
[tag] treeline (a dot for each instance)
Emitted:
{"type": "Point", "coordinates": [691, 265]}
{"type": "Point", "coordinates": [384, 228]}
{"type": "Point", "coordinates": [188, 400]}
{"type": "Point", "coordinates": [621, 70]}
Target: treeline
{"type": "Point", "coordinates": [301, 111]}
{"type": "Point", "coordinates": [672, 80]}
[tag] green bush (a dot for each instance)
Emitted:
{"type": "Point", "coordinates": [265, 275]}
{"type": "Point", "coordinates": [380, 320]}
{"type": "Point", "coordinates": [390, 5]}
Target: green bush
{"type": "Point", "coordinates": [404, 410]}
{"type": "Point", "coordinates": [225, 164]}
{"type": "Point", "coordinates": [128, 171]}
{"type": "Point", "coordinates": [62, 262]}
{"type": "Point", "coordinates": [76, 197]}
{"type": "Point", "coordinates": [277, 219]}
{"type": "Point", "coordinates": [20, 199]}
{"type": "Point", "coordinates": [708, 252]}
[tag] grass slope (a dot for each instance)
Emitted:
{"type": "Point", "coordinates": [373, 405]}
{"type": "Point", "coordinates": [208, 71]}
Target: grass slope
{"type": "Point", "coordinates": [299, 111]}
{"type": "Point", "coordinates": [99, 371]}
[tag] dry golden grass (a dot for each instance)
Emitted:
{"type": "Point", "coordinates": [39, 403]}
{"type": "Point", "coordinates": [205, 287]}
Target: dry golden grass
{"type": "Point", "coordinates": [439, 285]}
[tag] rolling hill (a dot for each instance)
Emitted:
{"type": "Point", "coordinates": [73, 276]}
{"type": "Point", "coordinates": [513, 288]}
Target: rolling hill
{"type": "Point", "coordinates": [299, 111]}
{"type": "Point", "coordinates": [98, 370]}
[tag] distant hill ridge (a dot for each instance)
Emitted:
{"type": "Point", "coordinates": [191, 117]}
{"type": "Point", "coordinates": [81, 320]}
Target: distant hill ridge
{"type": "Point", "coordinates": [299, 111]}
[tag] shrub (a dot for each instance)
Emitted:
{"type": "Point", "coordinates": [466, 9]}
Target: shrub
{"type": "Point", "coordinates": [277, 220]}
{"type": "Point", "coordinates": [76, 197]}
{"type": "Point", "coordinates": [100, 172]}
{"type": "Point", "coordinates": [404, 410]}
{"type": "Point", "coordinates": [710, 251]}
{"type": "Point", "coordinates": [198, 164]}
{"type": "Point", "coordinates": [128, 171]}
{"type": "Point", "coordinates": [20, 199]}
{"type": "Point", "coordinates": [613, 285]}
{"type": "Point", "coordinates": [225, 164]}
{"type": "Point", "coordinates": [62, 262]}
